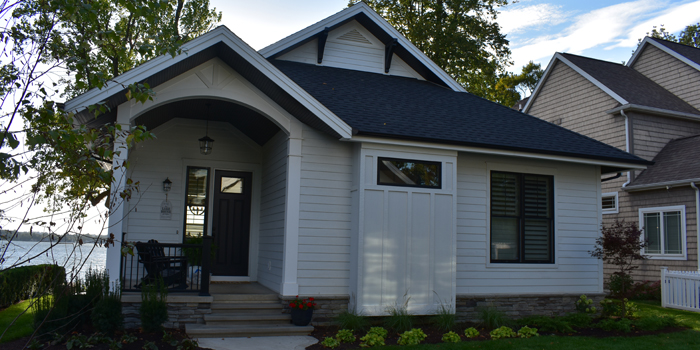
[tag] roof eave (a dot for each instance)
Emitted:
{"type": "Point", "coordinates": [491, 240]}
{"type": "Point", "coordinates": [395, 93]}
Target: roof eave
{"type": "Point", "coordinates": [655, 111]}
{"type": "Point", "coordinates": [661, 185]}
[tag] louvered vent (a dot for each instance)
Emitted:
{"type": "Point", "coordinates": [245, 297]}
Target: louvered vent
{"type": "Point", "coordinates": [355, 36]}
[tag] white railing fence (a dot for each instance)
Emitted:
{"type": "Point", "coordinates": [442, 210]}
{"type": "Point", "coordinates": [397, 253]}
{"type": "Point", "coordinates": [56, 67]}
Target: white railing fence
{"type": "Point", "coordinates": [680, 289]}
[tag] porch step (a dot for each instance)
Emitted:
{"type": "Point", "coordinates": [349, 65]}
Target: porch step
{"type": "Point", "coordinates": [248, 319]}
{"type": "Point", "coordinates": [246, 307]}
{"type": "Point", "coordinates": [238, 298]}
{"type": "Point", "coordinates": [211, 331]}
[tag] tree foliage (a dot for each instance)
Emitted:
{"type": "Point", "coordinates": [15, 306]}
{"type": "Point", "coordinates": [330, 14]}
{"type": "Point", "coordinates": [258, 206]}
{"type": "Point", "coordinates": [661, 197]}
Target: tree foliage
{"type": "Point", "coordinates": [689, 36]}
{"type": "Point", "coordinates": [620, 245]}
{"type": "Point", "coordinates": [512, 87]}
{"type": "Point", "coordinates": [460, 36]}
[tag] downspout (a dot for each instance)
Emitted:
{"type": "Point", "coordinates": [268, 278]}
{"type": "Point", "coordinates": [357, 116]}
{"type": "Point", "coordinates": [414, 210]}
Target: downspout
{"type": "Point", "coordinates": [627, 145]}
{"type": "Point", "coordinates": [697, 214]}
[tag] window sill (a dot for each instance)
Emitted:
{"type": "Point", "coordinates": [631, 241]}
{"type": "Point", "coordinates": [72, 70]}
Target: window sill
{"type": "Point", "coordinates": [666, 257]}
{"type": "Point", "coordinates": [516, 266]}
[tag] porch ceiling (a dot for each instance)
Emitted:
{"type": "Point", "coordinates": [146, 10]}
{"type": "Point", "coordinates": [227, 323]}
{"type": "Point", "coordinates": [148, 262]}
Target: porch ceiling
{"type": "Point", "coordinates": [253, 124]}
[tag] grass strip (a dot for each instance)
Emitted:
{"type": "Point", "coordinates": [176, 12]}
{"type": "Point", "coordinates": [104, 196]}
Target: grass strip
{"type": "Point", "coordinates": [23, 327]}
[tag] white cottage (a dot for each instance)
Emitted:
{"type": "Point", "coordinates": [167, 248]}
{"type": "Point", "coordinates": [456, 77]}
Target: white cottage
{"type": "Point", "coordinates": [349, 167]}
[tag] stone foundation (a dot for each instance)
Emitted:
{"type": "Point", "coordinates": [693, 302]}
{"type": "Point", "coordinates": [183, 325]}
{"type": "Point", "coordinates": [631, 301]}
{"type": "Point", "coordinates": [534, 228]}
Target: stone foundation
{"type": "Point", "coordinates": [327, 307]}
{"type": "Point", "coordinates": [468, 306]}
{"type": "Point", "coordinates": [182, 310]}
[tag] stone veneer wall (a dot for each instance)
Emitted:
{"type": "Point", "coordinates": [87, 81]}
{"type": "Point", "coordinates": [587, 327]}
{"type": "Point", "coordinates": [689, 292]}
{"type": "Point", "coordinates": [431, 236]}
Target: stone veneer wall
{"type": "Point", "coordinates": [327, 307]}
{"type": "Point", "coordinates": [182, 310]}
{"type": "Point", "coordinates": [468, 306]}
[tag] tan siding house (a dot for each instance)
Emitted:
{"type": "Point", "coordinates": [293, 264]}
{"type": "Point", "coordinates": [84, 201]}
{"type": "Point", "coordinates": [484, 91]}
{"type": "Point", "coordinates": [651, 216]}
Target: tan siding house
{"type": "Point", "coordinates": [649, 108]}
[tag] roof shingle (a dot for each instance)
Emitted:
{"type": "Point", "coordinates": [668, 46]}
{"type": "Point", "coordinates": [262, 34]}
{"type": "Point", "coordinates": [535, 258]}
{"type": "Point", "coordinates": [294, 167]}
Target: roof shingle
{"type": "Point", "coordinates": [678, 160]}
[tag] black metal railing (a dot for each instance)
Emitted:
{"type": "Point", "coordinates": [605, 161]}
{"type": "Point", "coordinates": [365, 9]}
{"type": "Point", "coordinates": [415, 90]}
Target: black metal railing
{"type": "Point", "coordinates": [181, 267]}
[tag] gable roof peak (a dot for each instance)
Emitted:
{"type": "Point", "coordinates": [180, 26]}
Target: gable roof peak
{"type": "Point", "coordinates": [687, 54]}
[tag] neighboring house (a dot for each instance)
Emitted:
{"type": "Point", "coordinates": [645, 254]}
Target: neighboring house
{"type": "Point", "coordinates": [650, 108]}
{"type": "Point", "coordinates": [368, 174]}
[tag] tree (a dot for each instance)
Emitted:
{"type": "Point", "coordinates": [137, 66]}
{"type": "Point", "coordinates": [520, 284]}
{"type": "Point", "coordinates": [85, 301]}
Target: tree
{"type": "Point", "coordinates": [461, 36]}
{"type": "Point", "coordinates": [689, 36]}
{"type": "Point", "coordinates": [56, 49]}
{"type": "Point", "coordinates": [512, 87]}
{"type": "Point", "coordinates": [620, 245]}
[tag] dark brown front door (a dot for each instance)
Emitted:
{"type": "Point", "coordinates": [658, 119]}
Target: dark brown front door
{"type": "Point", "coordinates": [231, 225]}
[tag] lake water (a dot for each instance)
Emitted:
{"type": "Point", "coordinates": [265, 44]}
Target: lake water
{"type": "Point", "coordinates": [69, 255]}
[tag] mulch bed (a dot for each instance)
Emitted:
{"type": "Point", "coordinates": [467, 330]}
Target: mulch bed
{"type": "Point", "coordinates": [141, 339]}
{"type": "Point", "coordinates": [435, 335]}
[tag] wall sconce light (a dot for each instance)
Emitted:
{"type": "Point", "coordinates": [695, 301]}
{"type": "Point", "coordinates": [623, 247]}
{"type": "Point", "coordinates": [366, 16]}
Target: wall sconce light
{"type": "Point", "coordinates": [167, 185]}
{"type": "Point", "coordinates": [206, 143]}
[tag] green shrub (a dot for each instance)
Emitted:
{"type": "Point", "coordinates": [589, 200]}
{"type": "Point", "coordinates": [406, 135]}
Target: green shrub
{"type": "Point", "coordinates": [107, 314]}
{"type": "Point", "coordinates": [188, 344]}
{"type": "Point", "coordinates": [646, 290]}
{"type": "Point", "coordinates": [527, 332]}
{"type": "Point", "coordinates": [351, 320]}
{"type": "Point", "coordinates": [399, 319]}
{"type": "Point", "coordinates": [547, 324]}
{"type": "Point", "coordinates": [445, 319]}
{"type": "Point", "coordinates": [154, 309]}
{"type": "Point", "coordinates": [451, 337]}
{"type": "Point", "coordinates": [65, 310]}
{"type": "Point", "coordinates": [578, 320]}
{"type": "Point", "coordinates": [345, 336]}
{"type": "Point", "coordinates": [492, 317]}
{"type": "Point", "coordinates": [379, 331]}
{"type": "Point", "coordinates": [620, 284]}
{"type": "Point", "coordinates": [149, 345]}
{"type": "Point", "coordinates": [616, 307]}
{"type": "Point", "coordinates": [471, 332]}
{"type": "Point", "coordinates": [329, 342]}
{"type": "Point", "coordinates": [585, 305]}
{"type": "Point", "coordinates": [23, 282]}
{"type": "Point", "coordinates": [655, 323]}
{"type": "Point", "coordinates": [621, 325]}
{"type": "Point", "coordinates": [96, 285]}
{"type": "Point", "coordinates": [502, 332]}
{"type": "Point", "coordinates": [413, 337]}
{"type": "Point", "coordinates": [372, 339]}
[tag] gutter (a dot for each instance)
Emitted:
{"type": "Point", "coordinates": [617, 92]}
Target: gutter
{"type": "Point", "coordinates": [627, 145]}
{"type": "Point", "coordinates": [654, 110]}
{"type": "Point", "coordinates": [661, 185]}
{"type": "Point", "coordinates": [697, 213]}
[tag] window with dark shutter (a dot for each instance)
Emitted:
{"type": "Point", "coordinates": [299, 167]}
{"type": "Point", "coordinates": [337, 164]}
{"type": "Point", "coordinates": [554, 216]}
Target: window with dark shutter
{"type": "Point", "coordinates": [522, 220]}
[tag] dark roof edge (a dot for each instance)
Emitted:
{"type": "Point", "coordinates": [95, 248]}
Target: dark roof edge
{"type": "Point", "coordinates": [506, 148]}
{"type": "Point", "coordinates": [661, 185]}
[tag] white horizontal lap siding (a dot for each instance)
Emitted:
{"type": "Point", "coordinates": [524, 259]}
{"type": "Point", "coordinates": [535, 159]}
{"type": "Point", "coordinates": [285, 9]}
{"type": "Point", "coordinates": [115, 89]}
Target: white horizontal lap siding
{"type": "Point", "coordinates": [165, 157]}
{"type": "Point", "coordinates": [576, 228]}
{"type": "Point", "coordinates": [324, 215]}
{"type": "Point", "coordinates": [365, 54]}
{"type": "Point", "coordinates": [272, 211]}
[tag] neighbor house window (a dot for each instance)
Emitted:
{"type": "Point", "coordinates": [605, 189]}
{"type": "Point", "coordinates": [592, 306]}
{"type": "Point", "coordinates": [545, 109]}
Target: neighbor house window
{"type": "Point", "coordinates": [664, 231]}
{"type": "Point", "coordinates": [413, 173]}
{"type": "Point", "coordinates": [196, 201]}
{"type": "Point", "coordinates": [522, 218]}
{"type": "Point", "coordinates": [609, 203]}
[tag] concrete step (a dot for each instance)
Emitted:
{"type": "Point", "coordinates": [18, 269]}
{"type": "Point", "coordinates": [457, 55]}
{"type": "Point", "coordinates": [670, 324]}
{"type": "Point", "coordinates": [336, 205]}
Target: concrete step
{"type": "Point", "coordinates": [209, 331]}
{"type": "Point", "coordinates": [247, 319]}
{"type": "Point", "coordinates": [246, 306]}
{"type": "Point", "coordinates": [218, 298]}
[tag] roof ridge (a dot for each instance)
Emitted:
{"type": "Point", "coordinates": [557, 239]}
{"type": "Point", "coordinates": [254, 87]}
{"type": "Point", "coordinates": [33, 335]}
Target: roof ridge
{"type": "Point", "coordinates": [683, 138]}
{"type": "Point", "coordinates": [591, 58]}
{"type": "Point", "coordinates": [674, 43]}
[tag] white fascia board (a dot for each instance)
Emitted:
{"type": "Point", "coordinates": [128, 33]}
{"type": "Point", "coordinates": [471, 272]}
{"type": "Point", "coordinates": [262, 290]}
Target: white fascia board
{"type": "Point", "coordinates": [664, 48]}
{"type": "Point", "coordinates": [220, 34]}
{"type": "Point", "coordinates": [348, 13]}
{"type": "Point", "coordinates": [540, 83]}
{"type": "Point", "coordinates": [490, 151]}
{"type": "Point", "coordinates": [660, 185]}
{"type": "Point", "coordinates": [656, 111]}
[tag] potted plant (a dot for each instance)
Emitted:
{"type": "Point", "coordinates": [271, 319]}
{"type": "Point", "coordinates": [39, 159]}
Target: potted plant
{"type": "Point", "coordinates": [302, 311]}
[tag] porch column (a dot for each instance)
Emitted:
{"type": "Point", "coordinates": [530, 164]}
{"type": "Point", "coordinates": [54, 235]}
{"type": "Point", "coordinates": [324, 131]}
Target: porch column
{"type": "Point", "coordinates": [290, 254]}
{"type": "Point", "coordinates": [117, 212]}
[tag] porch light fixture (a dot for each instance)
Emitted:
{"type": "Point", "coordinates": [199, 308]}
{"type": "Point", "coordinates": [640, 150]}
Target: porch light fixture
{"type": "Point", "coordinates": [167, 185]}
{"type": "Point", "coordinates": [206, 143]}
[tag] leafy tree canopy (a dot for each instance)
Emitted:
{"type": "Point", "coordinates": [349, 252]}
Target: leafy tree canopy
{"type": "Point", "coordinates": [461, 36]}
{"type": "Point", "coordinates": [689, 36]}
{"type": "Point", "coordinates": [512, 87]}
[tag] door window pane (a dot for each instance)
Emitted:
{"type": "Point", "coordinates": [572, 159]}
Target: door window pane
{"type": "Point", "coordinates": [231, 184]}
{"type": "Point", "coordinates": [196, 201]}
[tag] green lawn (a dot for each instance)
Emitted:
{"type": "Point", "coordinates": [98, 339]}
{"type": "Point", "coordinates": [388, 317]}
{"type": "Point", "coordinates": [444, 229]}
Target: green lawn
{"type": "Point", "coordinates": [689, 339]}
{"type": "Point", "coordinates": [22, 327]}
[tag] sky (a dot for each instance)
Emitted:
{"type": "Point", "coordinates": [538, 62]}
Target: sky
{"type": "Point", "coordinates": [536, 29]}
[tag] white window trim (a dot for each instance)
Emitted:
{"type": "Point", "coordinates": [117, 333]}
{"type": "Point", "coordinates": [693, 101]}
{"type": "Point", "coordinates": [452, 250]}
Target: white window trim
{"type": "Point", "coordinates": [684, 239]}
{"type": "Point", "coordinates": [617, 203]}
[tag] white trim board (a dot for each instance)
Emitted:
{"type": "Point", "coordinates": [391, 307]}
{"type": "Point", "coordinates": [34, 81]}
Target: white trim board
{"type": "Point", "coordinates": [348, 13]}
{"type": "Point", "coordinates": [664, 48]}
{"type": "Point", "coordinates": [684, 237]}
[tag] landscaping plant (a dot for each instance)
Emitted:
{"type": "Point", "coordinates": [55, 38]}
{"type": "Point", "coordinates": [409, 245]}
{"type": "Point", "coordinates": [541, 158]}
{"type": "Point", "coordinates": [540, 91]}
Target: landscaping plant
{"type": "Point", "coordinates": [527, 332]}
{"type": "Point", "coordinates": [620, 245]}
{"type": "Point", "coordinates": [329, 342]}
{"type": "Point", "coordinates": [399, 319]}
{"type": "Point", "coordinates": [451, 337]}
{"type": "Point", "coordinates": [502, 332]}
{"type": "Point", "coordinates": [375, 337]}
{"type": "Point", "coordinates": [302, 304]}
{"type": "Point", "coordinates": [471, 332]}
{"type": "Point", "coordinates": [345, 336]}
{"type": "Point", "coordinates": [584, 305]}
{"type": "Point", "coordinates": [351, 320]}
{"type": "Point", "coordinates": [492, 317]}
{"type": "Point", "coordinates": [188, 344]}
{"type": "Point", "coordinates": [154, 309]}
{"type": "Point", "coordinates": [413, 337]}
{"type": "Point", "coordinates": [445, 319]}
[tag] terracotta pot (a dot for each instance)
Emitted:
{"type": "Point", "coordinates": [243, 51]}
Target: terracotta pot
{"type": "Point", "coordinates": [302, 317]}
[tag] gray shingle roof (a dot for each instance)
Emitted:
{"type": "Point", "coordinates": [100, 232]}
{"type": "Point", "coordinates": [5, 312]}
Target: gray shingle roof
{"type": "Point", "coordinates": [406, 108]}
{"type": "Point", "coordinates": [678, 160]}
{"type": "Point", "coordinates": [686, 51]}
{"type": "Point", "coordinates": [630, 84]}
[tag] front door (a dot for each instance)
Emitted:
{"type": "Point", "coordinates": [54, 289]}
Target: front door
{"type": "Point", "coordinates": [231, 222]}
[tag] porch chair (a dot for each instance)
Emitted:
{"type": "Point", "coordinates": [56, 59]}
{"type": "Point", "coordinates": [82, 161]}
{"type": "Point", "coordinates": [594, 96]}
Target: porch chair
{"type": "Point", "coordinates": [172, 269]}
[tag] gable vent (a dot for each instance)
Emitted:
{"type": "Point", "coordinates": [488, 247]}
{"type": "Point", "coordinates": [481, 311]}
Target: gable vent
{"type": "Point", "coordinates": [355, 36]}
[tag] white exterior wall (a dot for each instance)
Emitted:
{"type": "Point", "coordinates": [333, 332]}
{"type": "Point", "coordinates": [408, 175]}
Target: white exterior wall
{"type": "Point", "coordinates": [351, 46]}
{"type": "Point", "coordinates": [324, 215]}
{"type": "Point", "coordinates": [272, 211]}
{"type": "Point", "coordinates": [577, 224]}
{"type": "Point", "coordinates": [405, 241]}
